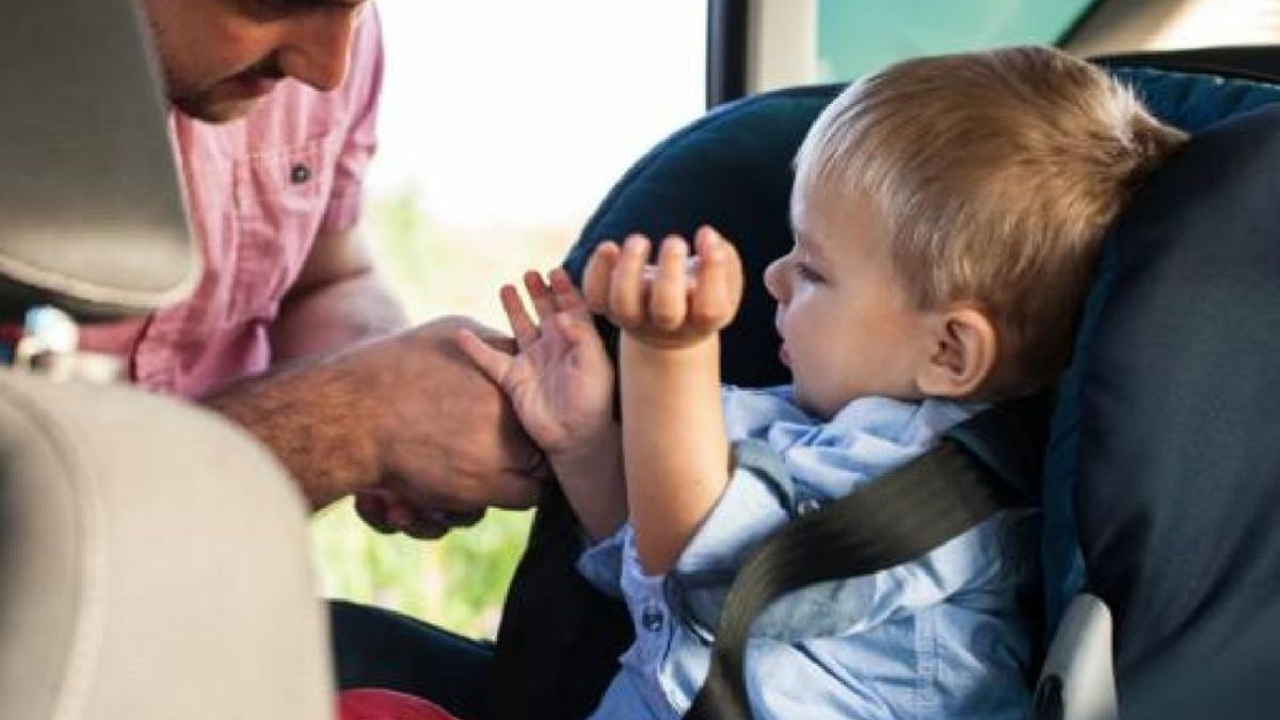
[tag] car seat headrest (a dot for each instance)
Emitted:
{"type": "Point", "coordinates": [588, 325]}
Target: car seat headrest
{"type": "Point", "coordinates": [1169, 406]}
{"type": "Point", "coordinates": [730, 169]}
{"type": "Point", "coordinates": [91, 218]}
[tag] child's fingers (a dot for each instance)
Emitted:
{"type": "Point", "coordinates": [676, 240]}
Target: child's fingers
{"type": "Point", "coordinates": [568, 299]}
{"type": "Point", "coordinates": [596, 276]}
{"type": "Point", "coordinates": [544, 301]}
{"type": "Point", "coordinates": [732, 267]}
{"type": "Point", "coordinates": [578, 330]}
{"type": "Point", "coordinates": [668, 303]}
{"type": "Point", "coordinates": [522, 326]}
{"type": "Point", "coordinates": [715, 297]}
{"type": "Point", "coordinates": [626, 285]}
{"type": "Point", "coordinates": [492, 362]}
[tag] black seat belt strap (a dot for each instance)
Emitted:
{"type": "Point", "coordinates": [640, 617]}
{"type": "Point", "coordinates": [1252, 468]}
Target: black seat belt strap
{"type": "Point", "coordinates": [903, 515]}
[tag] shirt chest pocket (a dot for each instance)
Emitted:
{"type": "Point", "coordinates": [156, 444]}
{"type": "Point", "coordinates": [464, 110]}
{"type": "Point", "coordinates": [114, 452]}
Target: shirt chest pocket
{"type": "Point", "coordinates": [280, 202]}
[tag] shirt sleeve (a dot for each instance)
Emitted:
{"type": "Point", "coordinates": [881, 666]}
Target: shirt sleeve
{"type": "Point", "coordinates": [364, 85]}
{"type": "Point", "coordinates": [601, 564]}
{"type": "Point", "coordinates": [759, 500]}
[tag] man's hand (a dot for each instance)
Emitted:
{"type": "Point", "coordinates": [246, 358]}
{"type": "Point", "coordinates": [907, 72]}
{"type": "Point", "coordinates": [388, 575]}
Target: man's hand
{"type": "Point", "coordinates": [450, 445]}
{"type": "Point", "coordinates": [404, 422]}
{"type": "Point", "coordinates": [673, 304]}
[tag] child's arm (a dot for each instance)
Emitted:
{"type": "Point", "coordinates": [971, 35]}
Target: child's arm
{"type": "Point", "coordinates": [561, 384]}
{"type": "Point", "coordinates": [675, 451]}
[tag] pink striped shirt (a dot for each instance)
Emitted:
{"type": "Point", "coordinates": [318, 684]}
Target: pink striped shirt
{"type": "Point", "coordinates": [258, 192]}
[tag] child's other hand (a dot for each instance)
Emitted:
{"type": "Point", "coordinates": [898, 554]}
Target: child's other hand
{"type": "Point", "coordinates": [560, 380]}
{"type": "Point", "coordinates": [674, 303]}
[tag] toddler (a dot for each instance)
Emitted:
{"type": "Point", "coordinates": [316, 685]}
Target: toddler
{"type": "Point", "coordinates": [947, 212]}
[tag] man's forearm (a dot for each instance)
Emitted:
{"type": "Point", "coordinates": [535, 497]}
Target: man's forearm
{"type": "Point", "coordinates": [404, 414]}
{"type": "Point", "coordinates": [333, 316]}
{"type": "Point", "coordinates": [675, 448]}
{"type": "Point", "coordinates": [303, 409]}
{"type": "Point", "coordinates": [304, 414]}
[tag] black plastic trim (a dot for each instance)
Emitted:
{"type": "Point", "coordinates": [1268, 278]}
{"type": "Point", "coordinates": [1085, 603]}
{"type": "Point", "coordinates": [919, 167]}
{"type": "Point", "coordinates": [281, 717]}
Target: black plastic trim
{"type": "Point", "coordinates": [726, 50]}
{"type": "Point", "coordinates": [1246, 62]}
{"type": "Point", "coordinates": [1072, 32]}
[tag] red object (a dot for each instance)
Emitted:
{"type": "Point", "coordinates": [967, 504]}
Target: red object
{"type": "Point", "coordinates": [378, 704]}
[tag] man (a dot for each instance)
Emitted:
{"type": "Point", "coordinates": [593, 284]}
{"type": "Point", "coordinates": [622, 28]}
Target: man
{"type": "Point", "coordinates": [289, 331]}
{"type": "Point", "coordinates": [273, 125]}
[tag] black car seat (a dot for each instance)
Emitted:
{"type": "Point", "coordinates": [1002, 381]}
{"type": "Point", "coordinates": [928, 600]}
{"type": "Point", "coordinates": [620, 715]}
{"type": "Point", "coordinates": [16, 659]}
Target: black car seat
{"type": "Point", "coordinates": [1164, 445]}
{"type": "Point", "coordinates": [154, 560]}
{"type": "Point", "coordinates": [731, 169]}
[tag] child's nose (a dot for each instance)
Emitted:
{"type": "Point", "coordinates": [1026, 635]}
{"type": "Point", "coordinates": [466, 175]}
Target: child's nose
{"type": "Point", "coordinates": [773, 278]}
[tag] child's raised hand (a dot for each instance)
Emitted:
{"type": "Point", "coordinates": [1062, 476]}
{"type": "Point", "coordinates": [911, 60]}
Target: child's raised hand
{"type": "Point", "coordinates": [560, 381]}
{"type": "Point", "coordinates": [674, 303]}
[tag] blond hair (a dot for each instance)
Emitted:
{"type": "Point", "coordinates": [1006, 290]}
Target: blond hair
{"type": "Point", "coordinates": [998, 174]}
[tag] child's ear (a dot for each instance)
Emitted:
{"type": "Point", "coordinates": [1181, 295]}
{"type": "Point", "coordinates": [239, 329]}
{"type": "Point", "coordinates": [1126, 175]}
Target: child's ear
{"type": "Point", "coordinates": [961, 353]}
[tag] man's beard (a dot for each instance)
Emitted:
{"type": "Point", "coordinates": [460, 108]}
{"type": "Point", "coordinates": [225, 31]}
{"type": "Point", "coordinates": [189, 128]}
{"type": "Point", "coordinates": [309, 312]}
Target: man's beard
{"type": "Point", "coordinates": [201, 107]}
{"type": "Point", "coordinates": [223, 101]}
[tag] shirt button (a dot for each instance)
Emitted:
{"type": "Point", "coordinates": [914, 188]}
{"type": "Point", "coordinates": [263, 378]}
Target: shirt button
{"type": "Point", "coordinates": [299, 174]}
{"type": "Point", "coordinates": [652, 619]}
{"type": "Point", "coordinates": [808, 505]}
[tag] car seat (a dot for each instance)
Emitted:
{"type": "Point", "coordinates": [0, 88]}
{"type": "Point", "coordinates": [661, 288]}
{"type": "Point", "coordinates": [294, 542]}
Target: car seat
{"type": "Point", "coordinates": [153, 559]}
{"type": "Point", "coordinates": [732, 169]}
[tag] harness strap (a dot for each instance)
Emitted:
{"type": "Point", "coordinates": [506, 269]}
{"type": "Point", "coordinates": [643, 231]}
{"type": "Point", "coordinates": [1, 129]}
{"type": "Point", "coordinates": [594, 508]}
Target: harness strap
{"type": "Point", "coordinates": [901, 516]}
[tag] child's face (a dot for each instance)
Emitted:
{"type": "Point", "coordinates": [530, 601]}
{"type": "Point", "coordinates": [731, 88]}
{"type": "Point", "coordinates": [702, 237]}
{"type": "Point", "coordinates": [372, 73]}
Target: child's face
{"type": "Point", "coordinates": [848, 326]}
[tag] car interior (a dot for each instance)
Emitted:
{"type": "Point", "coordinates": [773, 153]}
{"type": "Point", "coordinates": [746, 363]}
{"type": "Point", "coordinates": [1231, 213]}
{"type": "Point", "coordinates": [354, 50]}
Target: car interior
{"type": "Point", "coordinates": [153, 558]}
{"type": "Point", "coordinates": [114, 502]}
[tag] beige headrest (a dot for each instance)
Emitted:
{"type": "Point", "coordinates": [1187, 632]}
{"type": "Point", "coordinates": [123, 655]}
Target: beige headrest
{"type": "Point", "coordinates": [91, 217]}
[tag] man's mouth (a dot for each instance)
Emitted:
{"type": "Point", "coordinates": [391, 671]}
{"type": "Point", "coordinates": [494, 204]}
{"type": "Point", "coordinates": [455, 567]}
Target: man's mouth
{"type": "Point", "coordinates": [251, 86]}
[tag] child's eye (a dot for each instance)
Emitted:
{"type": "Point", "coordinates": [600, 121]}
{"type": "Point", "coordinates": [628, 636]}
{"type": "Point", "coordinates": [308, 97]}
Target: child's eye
{"type": "Point", "coordinates": [805, 272]}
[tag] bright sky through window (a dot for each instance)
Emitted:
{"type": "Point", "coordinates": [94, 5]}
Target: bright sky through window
{"type": "Point", "coordinates": [509, 111]}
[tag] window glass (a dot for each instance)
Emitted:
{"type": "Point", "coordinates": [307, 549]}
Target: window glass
{"type": "Point", "coordinates": [856, 36]}
{"type": "Point", "coordinates": [503, 123]}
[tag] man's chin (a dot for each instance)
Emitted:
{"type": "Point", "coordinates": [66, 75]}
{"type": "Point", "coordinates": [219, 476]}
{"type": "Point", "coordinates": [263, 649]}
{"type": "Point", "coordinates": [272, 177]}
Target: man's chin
{"type": "Point", "coordinates": [215, 111]}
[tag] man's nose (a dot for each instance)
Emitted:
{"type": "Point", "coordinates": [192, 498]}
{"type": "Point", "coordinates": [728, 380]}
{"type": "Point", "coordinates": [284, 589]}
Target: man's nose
{"type": "Point", "coordinates": [317, 50]}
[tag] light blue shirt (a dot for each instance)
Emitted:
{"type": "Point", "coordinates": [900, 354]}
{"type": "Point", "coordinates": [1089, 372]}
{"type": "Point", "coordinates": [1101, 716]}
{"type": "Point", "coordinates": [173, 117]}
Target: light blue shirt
{"type": "Point", "coordinates": [941, 637]}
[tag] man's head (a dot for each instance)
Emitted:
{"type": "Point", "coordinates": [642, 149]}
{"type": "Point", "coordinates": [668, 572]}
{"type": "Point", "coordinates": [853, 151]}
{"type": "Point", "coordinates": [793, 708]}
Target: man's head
{"type": "Point", "coordinates": [220, 56]}
{"type": "Point", "coordinates": [994, 176]}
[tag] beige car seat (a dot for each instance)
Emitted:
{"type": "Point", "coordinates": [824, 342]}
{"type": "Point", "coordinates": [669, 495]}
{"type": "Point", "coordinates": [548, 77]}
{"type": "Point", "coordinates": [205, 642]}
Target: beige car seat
{"type": "Point", "coordinates": [153, 558]}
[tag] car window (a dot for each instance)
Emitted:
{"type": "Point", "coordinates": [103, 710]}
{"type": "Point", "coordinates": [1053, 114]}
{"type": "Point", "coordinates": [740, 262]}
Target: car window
{"type": "Point", "coordinates": [856, 36]}
{"type": "Point", "coordinates": [793, 42]}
